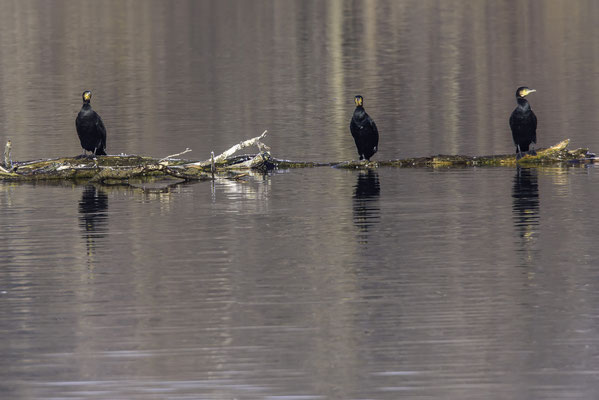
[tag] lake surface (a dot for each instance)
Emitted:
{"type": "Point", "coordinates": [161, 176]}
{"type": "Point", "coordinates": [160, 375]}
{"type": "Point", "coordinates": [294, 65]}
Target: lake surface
{"type": "Point", "coordinates": [311, 283]}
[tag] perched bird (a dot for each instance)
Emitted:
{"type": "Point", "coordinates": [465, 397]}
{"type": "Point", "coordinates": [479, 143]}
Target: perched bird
{"type": "Point", "coordinates": [523, 123]}
{"type": "Point", "coordinates": [90, 128]}
{"type": "Point", "coordinates": [364, 131]}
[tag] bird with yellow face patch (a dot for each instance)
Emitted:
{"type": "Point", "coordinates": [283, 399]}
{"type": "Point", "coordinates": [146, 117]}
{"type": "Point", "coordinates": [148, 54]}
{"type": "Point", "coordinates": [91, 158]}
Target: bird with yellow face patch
{"type": "Point", "coordinates": [90, 128]}
{"type": "Point", "coordinates": [523, 123]}
{"type": "Point", "coordinates": [364, 131]}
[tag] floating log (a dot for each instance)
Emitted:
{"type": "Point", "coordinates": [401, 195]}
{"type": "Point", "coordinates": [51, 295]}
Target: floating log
{"type": "Point", "coordinates": [557, 154]}
{"type": "Point", "coordinates": [120, 168]}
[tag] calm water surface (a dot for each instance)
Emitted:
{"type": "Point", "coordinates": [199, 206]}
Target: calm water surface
{"type": "Point", "coordinates": [302, 284]}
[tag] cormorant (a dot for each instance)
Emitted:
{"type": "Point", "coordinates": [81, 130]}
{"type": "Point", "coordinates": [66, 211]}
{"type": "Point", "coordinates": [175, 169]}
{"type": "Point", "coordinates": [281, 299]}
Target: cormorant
{"type": "Point", "coordinates": [90, 128]}
{"type": "Point", "coordinates": [523, 123]}
{"type": "Point", "coordinates": [364, 131]}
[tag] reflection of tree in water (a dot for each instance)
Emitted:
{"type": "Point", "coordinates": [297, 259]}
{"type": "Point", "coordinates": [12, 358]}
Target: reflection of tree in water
{"type": "Point", "coordinates": [366, 208]}
{"type": "Point", "coordinates": [92, 215]}
{"type": "Point", "coordinates": [525, 205]}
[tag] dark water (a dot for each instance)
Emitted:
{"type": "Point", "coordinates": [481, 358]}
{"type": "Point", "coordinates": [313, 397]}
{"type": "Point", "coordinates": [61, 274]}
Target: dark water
{"type": "Point", "coordinates": [302, 284]}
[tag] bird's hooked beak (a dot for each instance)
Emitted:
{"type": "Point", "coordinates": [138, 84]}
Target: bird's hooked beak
{"type": "Point", "coordinates": [87, 96]}
{"type": "Point", "coordinates": [526, 92]}
{"type": "Point", "coordinates": [358, 101]}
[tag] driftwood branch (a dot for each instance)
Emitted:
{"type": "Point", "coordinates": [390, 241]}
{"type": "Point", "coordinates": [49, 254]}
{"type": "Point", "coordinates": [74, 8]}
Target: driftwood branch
{"type": "Point", "coordinates": [187, 150]}
{"type": "Point", "coordinates": [228, 153]}
{"type": "Point", "coordinates": [7, 159]}
{"type": "Point", "coordinates": [246, 143]}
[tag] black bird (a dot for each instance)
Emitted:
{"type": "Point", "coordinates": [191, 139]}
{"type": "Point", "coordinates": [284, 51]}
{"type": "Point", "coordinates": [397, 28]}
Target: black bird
{"type": "Point", "coordinates": [523, 123]}
{"type": "Point", "coordinates": [90, 128]}
{"type": "Point", "coordinates": [364, 131]}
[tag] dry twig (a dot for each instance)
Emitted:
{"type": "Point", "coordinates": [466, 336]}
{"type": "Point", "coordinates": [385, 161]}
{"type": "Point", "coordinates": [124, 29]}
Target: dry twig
{"type": "Point", "coordinates": [187, 150]}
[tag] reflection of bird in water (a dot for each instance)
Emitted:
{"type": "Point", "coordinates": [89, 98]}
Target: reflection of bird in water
{"type": "Point", "coordinates": [366, 208]}
{"type": "Point", "coordinates": [364, 131]}
{"type": "Point", "coordinates": [90, 128]}
{"type": "Point", "coordinates": [525, 205]}
{"type": "Point", "coordinates": [93, 217]}
{"type": "Point", "coordinates": [523, 122]}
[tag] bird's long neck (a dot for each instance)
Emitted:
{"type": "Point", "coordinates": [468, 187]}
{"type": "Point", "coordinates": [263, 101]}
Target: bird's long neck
{"type": "Point", "coordinates": [523, 103]}
{"type": "Point", "coordinates": [359, 113]}
{"type": "Point", "coordinates": [86, 106]}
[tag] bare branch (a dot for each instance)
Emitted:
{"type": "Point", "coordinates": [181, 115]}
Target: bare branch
{"type": "Point", "coordinates": [7, 160]}
{"type": "Point", "coordinates": [223, 156]}
{"type": "Point", "coordinates": [187, 150]}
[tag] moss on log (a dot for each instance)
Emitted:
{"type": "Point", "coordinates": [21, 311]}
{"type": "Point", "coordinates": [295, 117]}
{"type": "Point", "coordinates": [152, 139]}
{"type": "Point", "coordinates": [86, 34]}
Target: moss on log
{"type": "Point", "coordinates": [121, 168]}
{"type": "Point", "coordinates": [104, 169]}
{"type": "Point", "coordinates": [95, 169]}
{"type": "Point", "coordinates": [558, 154]}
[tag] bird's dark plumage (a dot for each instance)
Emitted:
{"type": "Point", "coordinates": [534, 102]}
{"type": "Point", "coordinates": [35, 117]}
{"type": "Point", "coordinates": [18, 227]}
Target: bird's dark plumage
{"type": "Point", "coordinates": [364, 131]}
{"type": "Point", "coordinates": [90, 128]}
{"type": "Point", "coordinates": [523, 122]}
